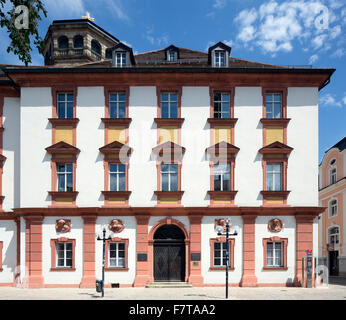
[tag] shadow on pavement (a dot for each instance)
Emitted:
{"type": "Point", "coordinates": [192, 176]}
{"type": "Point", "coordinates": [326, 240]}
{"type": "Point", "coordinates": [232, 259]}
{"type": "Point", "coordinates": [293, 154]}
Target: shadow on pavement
{"type": "Point", "coordinates": [339, 281]}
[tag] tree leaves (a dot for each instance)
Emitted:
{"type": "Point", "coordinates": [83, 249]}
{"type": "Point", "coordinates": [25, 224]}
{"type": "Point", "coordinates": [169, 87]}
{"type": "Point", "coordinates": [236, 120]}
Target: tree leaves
{"type": "Point", "coordinates": [21, 39]}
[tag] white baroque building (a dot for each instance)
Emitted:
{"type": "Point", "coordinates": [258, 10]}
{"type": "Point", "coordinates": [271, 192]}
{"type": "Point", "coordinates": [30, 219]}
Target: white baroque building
{"type": "Point", "coordinates": [159, 147]}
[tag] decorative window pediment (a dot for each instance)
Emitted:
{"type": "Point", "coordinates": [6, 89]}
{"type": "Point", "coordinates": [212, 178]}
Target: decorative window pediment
{"type": "Point", "coordinates": [169, 152]}
{"type": "Point", "coordinates": [61, 148]}
{"type": "Point", "coordinates": [222, 151]}
{"type": "Point", "coordinates": [116, 151]}
{"type": "Point", "coordinates": [276, 148]}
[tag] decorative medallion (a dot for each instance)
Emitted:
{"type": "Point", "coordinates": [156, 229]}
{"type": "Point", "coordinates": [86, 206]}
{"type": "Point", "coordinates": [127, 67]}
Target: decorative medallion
{"type": "Point", "coordinates": [116, 226]}
{"type": "Point", "coordinates": [220, 222]}
{"type": "Point", "coordinates": [275, 225]}
{"type": "Point", "coordinates": [63, 226]}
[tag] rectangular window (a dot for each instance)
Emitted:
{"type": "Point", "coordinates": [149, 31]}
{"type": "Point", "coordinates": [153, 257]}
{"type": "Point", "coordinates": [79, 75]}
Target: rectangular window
{"type": "Point", "coordinates": [65, 177]}
{"type": "Point", "coordinates": [117, 255]}
{"type": "Point", "coordinates": [117, 177]}
{"type": "Point", "coordinates": [64, 254]}
{"type": "Point", "coordinates": [222, 177]}
{"type": "Point", "coordinates": [220, 249]}
{"type": "Point", "coordinates": [169, 105]}
{"type": "Point", "coordinates": [332, 176]}
{"type": "Point", "coordinates": [120, 59]}
{"type": "Point", "coordinates": [65, 105]}
{"type": "Point", "coordinates": [219, 58]}
{"type": "Point", "coordinates": [172, 56]}
{"type": "Point", "coordinates": [169, 177]}
{"type": "Point", "coordinates": [221, 105]}
{"type": "Point", "coordinates": [273, 105]}
{"type": "Point", "coordinates": [274, 254]}
{"type": "Point", "coordinates": [333, 208]}
{"type": "Point", "coordinates": [274, 177]}
{"type": "Point", "coordinates": [117, 105]}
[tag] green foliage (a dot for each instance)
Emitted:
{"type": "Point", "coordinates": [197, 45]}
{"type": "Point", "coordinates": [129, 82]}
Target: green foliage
{"type": "Point", "coordinates": [21, 39]}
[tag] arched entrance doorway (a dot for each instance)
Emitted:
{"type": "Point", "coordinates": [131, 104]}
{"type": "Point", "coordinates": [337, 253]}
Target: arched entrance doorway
{"type": "Point", "coordinates": [169, 254]}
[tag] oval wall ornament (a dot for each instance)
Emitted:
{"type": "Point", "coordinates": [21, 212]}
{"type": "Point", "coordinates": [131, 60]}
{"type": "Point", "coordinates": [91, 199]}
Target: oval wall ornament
{"type": "Point", "coordinates": [116, 226]}
{"type": "Point", "coordinates": [63, 225]}
{"type": "Point", "coordinates": [275, 225]}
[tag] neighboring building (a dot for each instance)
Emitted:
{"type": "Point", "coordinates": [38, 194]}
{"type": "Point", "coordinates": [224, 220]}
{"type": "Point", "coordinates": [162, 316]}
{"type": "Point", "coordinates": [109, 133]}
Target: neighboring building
{"type": "Point", "coordinates": [159, 146]}
{"type": "Point", "coordinates": [332, 195]}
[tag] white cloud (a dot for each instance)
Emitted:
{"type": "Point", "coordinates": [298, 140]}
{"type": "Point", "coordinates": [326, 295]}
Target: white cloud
{"type": "Point", "coordinates": [344, 99]}
{"type": "Point", "coordinates": [313, 59]}
{"type": "Point", "coordinates": [65, 8]}
{"type": "Point", "coordinates": [219, 4]}
{"type": "Point", "coordinates": [274, 26]}
{"type": "Point", "coordinates": [338, 53]}
{"type": "Point", "coordinates": [158, 41]}
{"type": "Point", "coordinates": [116, 7]}
{"type": "Point", "coordinates": [329, 100]}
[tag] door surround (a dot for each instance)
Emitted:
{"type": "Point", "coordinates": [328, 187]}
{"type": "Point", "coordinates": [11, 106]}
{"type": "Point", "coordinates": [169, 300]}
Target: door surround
{"type": "Point", "coordinates": [167, 221]}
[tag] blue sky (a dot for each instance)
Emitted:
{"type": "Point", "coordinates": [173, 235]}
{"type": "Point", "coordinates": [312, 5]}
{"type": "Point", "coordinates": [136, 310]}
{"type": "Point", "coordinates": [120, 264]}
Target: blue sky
{"type": "Point", "coordinates": [285, 32]}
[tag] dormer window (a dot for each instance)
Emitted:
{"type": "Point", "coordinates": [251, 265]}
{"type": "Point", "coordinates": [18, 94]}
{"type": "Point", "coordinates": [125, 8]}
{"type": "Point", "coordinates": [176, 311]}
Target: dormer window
{"type": "Point", "coordinates": [218, 55]}
{"type": "Point", "coordinates": [219, 59]}
{"type": "Point", "coordinates": [120, 59]}
{"type": "Point", "coordinates": [172, 55]}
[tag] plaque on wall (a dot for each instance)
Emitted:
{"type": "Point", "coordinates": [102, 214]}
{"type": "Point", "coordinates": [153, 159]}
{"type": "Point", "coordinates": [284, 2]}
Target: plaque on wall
{"type": "Point", "coordinates": [195, 256]}
{"type": "Point", "coordinates": [142, 257]}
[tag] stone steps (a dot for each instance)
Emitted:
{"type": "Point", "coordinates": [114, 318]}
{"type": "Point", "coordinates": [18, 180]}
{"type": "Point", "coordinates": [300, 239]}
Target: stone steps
{"type": "Point", "coordinates": [168, 285]}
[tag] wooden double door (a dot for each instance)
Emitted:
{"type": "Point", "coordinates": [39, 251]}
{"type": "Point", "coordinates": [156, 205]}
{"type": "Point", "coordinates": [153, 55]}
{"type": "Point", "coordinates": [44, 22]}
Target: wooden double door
{"type": "Point", "coordinates": [169, 260]}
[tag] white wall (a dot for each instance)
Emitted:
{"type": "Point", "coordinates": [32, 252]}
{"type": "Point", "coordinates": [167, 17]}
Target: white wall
{"type": "Point", "coordinates": [90, 137]}
{"type": "Point", "coordinates": [36, 135]}
{"type": "Point", "coordinates": [208, 232]}
{"type": "Point", "coordinates": [248, 137]}
{"type": "Point", "coordinates": [8, 235]}
{"type": "Point", "coordinates": [129, 232]}
{"type": "Point", "coordinates": [302, 135]}
{"type": "Point", "coordinates": [195, 182]}
{"type": "Point", "coordinates": [48, 233]}
{"type": "Point", "coordinates": [288, 231]}
{"type": "Point", "coordinates": [143, 137]}
{"type": "Point", "coordinates": [11, 150]}
{"type": "Point", "coordinates": [22, 249]}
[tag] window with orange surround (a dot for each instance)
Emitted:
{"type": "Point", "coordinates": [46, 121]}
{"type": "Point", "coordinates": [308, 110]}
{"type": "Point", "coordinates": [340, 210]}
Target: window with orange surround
{"type": "Point", "coordinates": [1, 246]}
{"type": "Point", "coordinates": [63, 254]}
{"type": "Point", "coordinates": [63, 164]}
{"type": "Point", "coordinates": [275, 253]}
{"type": "Point", "coordinates": [218, 254]}
{"type": "Point", "coordinates": [116, 258]}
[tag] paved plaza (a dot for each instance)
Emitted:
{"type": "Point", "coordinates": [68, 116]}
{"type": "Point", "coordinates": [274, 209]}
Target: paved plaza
{"type": "Point", "coordinates": [335, 291]}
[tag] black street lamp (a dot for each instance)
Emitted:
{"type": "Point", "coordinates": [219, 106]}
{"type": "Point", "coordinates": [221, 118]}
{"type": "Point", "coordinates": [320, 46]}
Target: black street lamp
{"type": "Point", "coordinates": [219, 229]}
{"type": "Point", "coordinates": [104, 238]}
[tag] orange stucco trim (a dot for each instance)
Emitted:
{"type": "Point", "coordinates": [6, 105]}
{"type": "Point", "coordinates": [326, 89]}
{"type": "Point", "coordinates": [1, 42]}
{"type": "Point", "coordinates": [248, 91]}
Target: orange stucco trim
{"type": "Point", "coordinates": [89, 277]}
{"type": "Point", "coordinates": [1, 246]}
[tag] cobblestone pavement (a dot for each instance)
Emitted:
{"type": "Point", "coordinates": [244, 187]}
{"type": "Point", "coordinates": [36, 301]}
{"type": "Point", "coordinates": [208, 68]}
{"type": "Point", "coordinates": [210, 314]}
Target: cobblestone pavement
{"type": "Point", "coordinates": [333, 292]}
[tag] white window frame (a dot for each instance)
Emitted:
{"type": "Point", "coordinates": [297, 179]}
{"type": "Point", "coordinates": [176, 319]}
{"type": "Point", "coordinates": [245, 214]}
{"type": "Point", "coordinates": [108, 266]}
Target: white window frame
{"type": "Point", "coordinates": [218, 58]}
{"type": "Point", "coordinates": [333, 208]}
{"type": "Point", "coordinates": [335, 234]}
{"type": "Point", "coordinates": [65, 255]}
{"type": "Point", "coordinates": [272, 104]}
{"type": "Point", "coordinates": [225, 172]}
{"type": "Point", "coordinates": [333, 175]}
{"type": "Point", "coordinates": [117, 258]}
{"type": "Point", "coordinates": [169, 173]}
{"type": "Point", "coordinates": [117, 177]}
{"type": "Point", "coordinates": [64, 173]}
{"type": "Point", "coordinates": [169, 102]}
{"type": "Point", "coordinates": [117, 103]}
{"type": "Point", "coordinates": [172, 55]}
{"type": "Point", "coordinates": [222, 254]}
{"type": "Point", "coordinates": [275, 255]}
{"type": "Point", "coordinates": [65, 102]}
{"type": "Point", "coordinates": [274, 174]}
{"type": "Point", "coordinates": [123, 58]}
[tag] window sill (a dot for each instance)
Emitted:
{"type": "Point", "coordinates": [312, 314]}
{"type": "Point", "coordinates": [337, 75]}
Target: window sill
{"type": "Point", "coordinates": [63, 194]}
{"type": "Point", "coordinates": [116, 194]}
{"type": "Point", "coordinates": [222, 194]}
{"type": "Point", "coordinates": [117, 121]}
{"type": "Point", "coordinates": [222, 121]}
{"type": "Point", "coordinates": [63, 121]}
{"type": "Point", "coordinates": [275, 121]}
{"type": "Point", "coordinates": [275, 268]}
{"type": "Point", "coordinates": [220, 268]}
{"type": "Point", "coordinates": [281, 193]}
{"type": "Point", "coordinates": [169, 121]}
{"type": "Point", "coordinates": [169, 194]}
{"type": "Point", "coordinates": [62, 269]}
{"type": "Point", "coordinates": [116, 269]}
